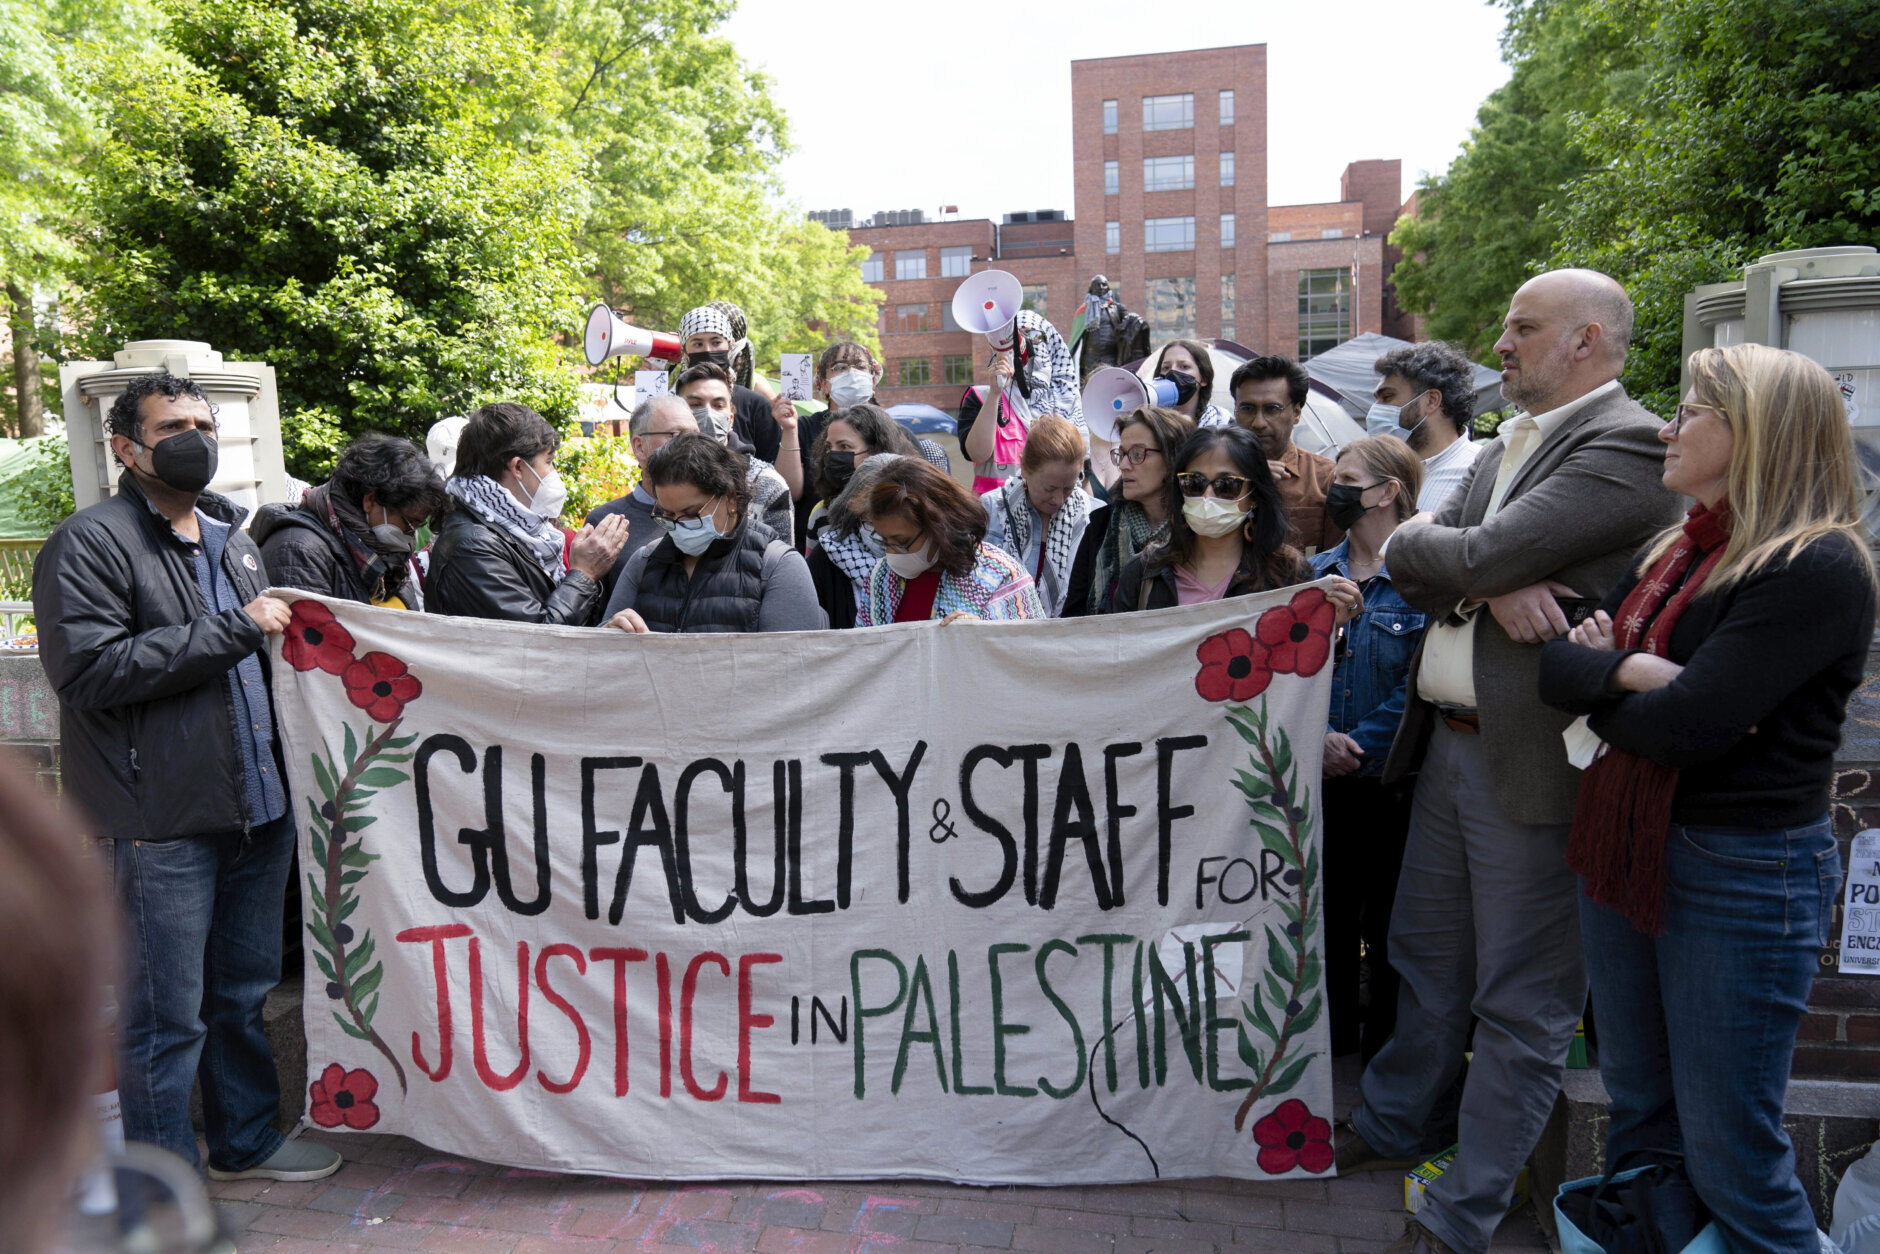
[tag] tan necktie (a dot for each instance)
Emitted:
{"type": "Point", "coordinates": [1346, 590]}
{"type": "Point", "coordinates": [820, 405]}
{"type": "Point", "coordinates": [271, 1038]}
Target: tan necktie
{"type": "Point", "coordinates": [1520, 440]}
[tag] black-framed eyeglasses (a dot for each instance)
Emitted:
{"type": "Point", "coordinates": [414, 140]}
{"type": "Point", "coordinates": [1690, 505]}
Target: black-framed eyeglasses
{"type": "Point", "coordinates": [1226, 487]}
{"type": "Point", "coordinates": [1134, 456]}
{"type": "Point", "coordinates": [667, 516]}
{"type": "Point", "coordinates": [891, 547]}
{"type": "Point", "coordinates": [1272, 409]}
{"type": "Point", "coordinates": [1684, 411]}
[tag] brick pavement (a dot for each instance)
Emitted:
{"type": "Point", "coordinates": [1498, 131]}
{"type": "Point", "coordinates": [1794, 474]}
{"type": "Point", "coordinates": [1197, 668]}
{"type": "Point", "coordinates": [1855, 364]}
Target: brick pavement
{"type": "Point", "coordinates": [395, 1194]}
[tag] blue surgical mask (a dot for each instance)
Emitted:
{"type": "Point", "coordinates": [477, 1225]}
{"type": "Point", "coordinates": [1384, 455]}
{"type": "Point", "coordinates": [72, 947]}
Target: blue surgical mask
{"type": "Point", "coordinates": [693, 535]}
{"type": "Point", "coordinates": [1385, 419]}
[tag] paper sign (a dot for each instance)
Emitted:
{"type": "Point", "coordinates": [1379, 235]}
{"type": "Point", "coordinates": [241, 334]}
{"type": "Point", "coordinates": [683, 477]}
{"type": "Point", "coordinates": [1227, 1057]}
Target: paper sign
{"type": "Point", "coordinates": [650, 383]}
{"type": "Point", "coordinates": [796, 376]}
{"type": "Point", "coordinates": [1860, 928]}
{"type": "Point", "coordinates": [564, 911]}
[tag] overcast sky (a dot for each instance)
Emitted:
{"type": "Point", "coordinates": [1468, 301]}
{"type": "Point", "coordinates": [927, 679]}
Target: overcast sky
{"type": "Point", "coordinates": [902, 105]}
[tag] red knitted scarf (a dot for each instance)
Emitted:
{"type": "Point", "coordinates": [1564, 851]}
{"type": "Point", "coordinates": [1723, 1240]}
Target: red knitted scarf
{"type": "Point", "coordinates": [1624, 810]}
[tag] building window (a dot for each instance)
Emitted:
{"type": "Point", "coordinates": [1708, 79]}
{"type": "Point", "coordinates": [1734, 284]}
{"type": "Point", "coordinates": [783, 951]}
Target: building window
{"type": "Point", "coordinates": [1168, 235]}
{"type": "Point", "coordinates": [1168, 113]}
{"type": "Point", "coordinates": [1035, 299]}
{"type": "Point", "coordinates": [910, 318]}
{"type": "Point", "coordinates": [1112, 177]}
{"type": "Point", "coordinates": [1112, 237]}
{"type": "Point", "coordinates": [1227, 230]}
{"type": "Point", "coordinates": [956, 263]}
{"type": "Point", "coordinates": [1227, 169]}
{"type": "Point", "coordinates": [914, 373]}
{"type": "Point", "coordinates": [910, 263]}
{"type": "Point", "coordinates": [1227, 306]}
{"type": "Point", "coordinates": [1227, 108]}
{"type": "Point", "coordinates": [1332, 232]}
{"type": "Point", "coordinates": [1109, 117]}
{"type": "Point", "coordinates": [1278, 237]}
{"type": "Point", "coordinates": [1172, 308]}
{"type": "Point", "coordinates": [959, 367]}
{"type": "Point", "coordinates": [1168, 174]}
{"type": "Point", "coordinates": [1324, 310]}
{"type": "Point", "coordinates": [872, 268]}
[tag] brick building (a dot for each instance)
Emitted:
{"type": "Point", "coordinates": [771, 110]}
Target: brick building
{"type": "Point", "coordinates": [1169, 176]}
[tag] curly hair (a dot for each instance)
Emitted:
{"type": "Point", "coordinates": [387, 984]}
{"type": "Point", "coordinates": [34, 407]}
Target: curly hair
{"type": "Point", "coordinates": [1437, 365]}
{"type": "Point", "coordinates": [845, 353]}
{"type": "Point", "coordinates": [126, 416]}
{"type": "Point", "coordinates": [396, 472]}
{"type": "Point", "coordinates": [704, 463]}
{"type": "Point", "coordinates": [950, 516]}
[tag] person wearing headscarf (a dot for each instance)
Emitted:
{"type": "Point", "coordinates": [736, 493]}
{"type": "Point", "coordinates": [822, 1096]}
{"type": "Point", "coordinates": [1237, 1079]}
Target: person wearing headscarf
{"type": "Point", "coordinates": [354, 535]}
{"type": "Point", "coordinates": [1035, 376]}
{"type": "Point", "coordinates": [742, 363]}
{"type": "Point", "coordinates": [707, 335]}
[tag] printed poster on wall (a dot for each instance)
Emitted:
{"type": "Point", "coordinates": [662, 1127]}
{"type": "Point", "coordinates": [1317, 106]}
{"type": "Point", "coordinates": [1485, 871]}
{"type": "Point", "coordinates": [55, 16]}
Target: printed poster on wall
{"type": "Point", "coordinates": [1035, 903]}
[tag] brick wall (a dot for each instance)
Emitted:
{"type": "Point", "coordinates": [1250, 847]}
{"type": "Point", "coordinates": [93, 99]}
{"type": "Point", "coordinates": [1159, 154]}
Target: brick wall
{"type": "Point", "coordinates": [1840, 1036]}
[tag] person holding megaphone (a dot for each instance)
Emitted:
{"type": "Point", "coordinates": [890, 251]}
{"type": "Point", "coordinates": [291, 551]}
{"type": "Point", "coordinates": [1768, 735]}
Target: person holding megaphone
{"type": "Point", "coordinates": [1031, 374]}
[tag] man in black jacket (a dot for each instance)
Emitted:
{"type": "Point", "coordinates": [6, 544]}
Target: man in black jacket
{"type": "Point", "coordinates": [153, 630]}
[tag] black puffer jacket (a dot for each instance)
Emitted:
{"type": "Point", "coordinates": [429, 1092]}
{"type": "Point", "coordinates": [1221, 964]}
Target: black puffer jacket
{"type": "Point", "coordinates": [723, 594]}
{"type": "Point", "coordinates": [302, 552]}
{"type": "Point", "coordinates": [478, 571]}
{"type": "Point", "coordinates": [146, 723]}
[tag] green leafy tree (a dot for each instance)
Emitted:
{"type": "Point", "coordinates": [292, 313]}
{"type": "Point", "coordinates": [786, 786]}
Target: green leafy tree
{"type": "Point", "coordinates": [1483, 225]}
{"type": "Point", "coordinates": [364, 193]}
{"type": "Point", "coordinates": [681, 141]}
{"type": "Point", "coordinates": [1759, 131]}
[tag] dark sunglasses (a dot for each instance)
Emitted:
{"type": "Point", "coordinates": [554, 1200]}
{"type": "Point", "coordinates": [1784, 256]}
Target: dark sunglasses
{"type": "Point", "coordinates": [1226, 487]}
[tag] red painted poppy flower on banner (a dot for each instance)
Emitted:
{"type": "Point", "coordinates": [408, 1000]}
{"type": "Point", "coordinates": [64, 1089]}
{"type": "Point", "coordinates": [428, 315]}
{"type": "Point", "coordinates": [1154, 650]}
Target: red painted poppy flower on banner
{"type": "Point", "coordinates": [315, 641]}
{"type": "Point", "coordinates": [1293, 1137]}
{"type": "Point", "coordinates": [1298, 635]}
{"type": "Point", "coordinates": [1233, 667]}
{"type": "Point", "coordinates": [345, 1097]}
{"type": "Point", "coordinates": [379, 684]}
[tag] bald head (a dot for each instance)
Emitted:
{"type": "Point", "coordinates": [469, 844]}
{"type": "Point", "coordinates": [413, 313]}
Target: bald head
{"type": "Point", "coordinates": [1567, 333]}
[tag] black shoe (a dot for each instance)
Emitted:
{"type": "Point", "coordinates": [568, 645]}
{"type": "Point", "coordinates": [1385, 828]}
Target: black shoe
{"type": "Point", "coordinates": [1352, 1153]}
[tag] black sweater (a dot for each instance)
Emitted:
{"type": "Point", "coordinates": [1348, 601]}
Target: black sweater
{"type": "Point", "coordinates": [1779, 653]}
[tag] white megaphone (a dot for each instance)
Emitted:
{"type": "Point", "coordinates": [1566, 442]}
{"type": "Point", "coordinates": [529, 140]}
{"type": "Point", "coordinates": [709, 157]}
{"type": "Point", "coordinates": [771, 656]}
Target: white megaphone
{"type": "Point", "coordinates": [1112, 394]}
{"type": "Point", "coordinates": [610, 335]}
{"type": "Point", "coordinates": [987, 303]}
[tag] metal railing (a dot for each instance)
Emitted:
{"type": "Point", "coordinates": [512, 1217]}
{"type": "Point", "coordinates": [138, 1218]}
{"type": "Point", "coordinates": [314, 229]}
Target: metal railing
{"type": "Point", "coordinates": [11, 612]}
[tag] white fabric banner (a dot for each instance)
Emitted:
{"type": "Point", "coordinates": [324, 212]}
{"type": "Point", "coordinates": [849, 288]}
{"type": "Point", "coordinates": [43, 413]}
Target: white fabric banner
{"type": "Point", "coordinates": [1029, 902]}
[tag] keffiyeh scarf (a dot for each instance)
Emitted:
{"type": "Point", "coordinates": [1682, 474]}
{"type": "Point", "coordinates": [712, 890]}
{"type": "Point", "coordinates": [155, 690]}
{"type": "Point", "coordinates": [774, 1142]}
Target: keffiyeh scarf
{"type": "Point", "coordinates": [490, 501]}
{"type": "Point", "coordinates": [1058, 553]}
{"type": "Point", "coordinates": [1049, 372]}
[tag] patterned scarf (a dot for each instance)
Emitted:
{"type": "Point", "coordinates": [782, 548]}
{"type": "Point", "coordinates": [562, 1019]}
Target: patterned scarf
{"type": "Point", "coordinates": [1057, 533]}
{"type": "Point", "coordinates": [1050, 377]}
{"type": "Point", "coordinates": [740, 362]}
{"type": "Point", "coordinates": [490, 501]}
{"type": "Point", "coordinates": [383, 574]}
{"type": "Point", "coordinates": [1624, 810]}
{"type": "Point", "coordinates": [1127, 534]}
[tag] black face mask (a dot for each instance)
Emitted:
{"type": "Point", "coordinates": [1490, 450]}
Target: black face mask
{"type": "Point", "coordinates": [1185, 384]}
{"type": "Point", "coordinates": [838, 468]}
{"type": "Point", "coordinates": [717, 357]}
{"type": "Point", "coordinates": [186, 461]}
{"type": "Point", "coordinates": [1344, 503]}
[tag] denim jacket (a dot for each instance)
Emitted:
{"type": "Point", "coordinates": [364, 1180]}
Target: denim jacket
{"type": "Point", "coordinates": [1372, 676]}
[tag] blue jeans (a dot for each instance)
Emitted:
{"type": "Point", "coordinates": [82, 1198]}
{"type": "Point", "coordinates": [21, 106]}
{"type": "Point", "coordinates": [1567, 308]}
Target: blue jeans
{"type": "Point", "coordinates": [203, 923]}
{"type": "Point", "coordinates": [1697, 1027]}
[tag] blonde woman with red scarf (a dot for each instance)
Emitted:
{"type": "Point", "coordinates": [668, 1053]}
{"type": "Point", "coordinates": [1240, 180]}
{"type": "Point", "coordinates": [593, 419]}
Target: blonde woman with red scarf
{"type": "Point", "coordinates": [1716, 678]}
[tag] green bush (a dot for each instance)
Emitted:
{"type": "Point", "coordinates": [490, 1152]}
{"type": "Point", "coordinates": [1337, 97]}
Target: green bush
{"type": "Point", "coordinates": [42, 493]}
{"type": "Point", "coordinates": [596, 468]}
